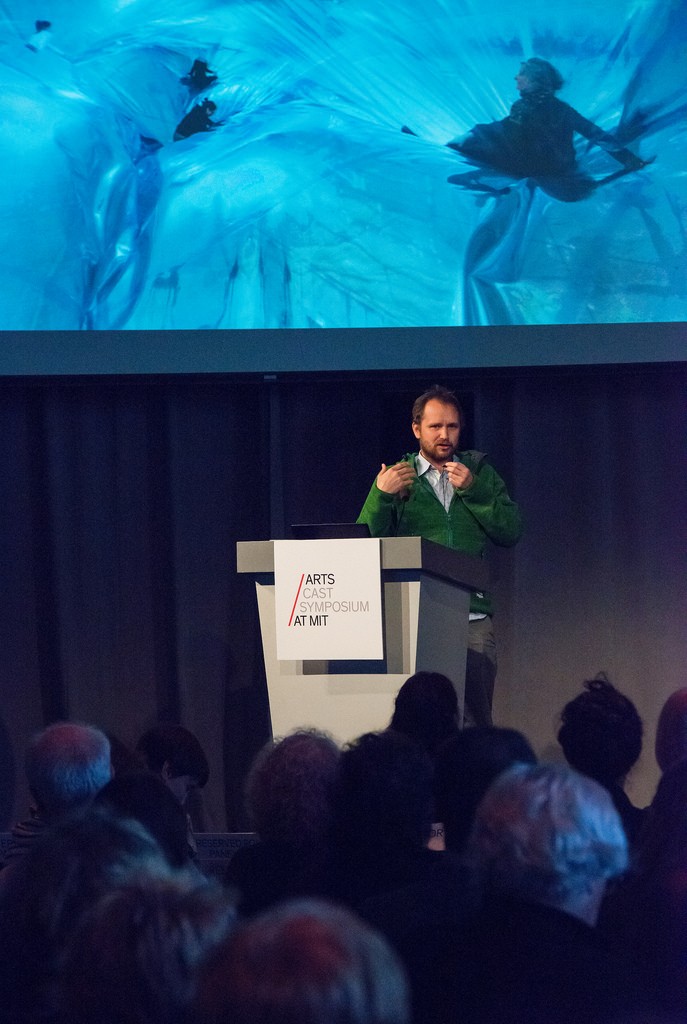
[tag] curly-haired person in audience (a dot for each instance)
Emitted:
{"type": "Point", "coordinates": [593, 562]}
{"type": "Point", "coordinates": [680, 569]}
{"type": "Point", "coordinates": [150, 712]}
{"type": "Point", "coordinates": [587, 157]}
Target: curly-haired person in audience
{"type": "Point", "coordinates": [288, 794]}
{"type": "Point", "coordinates": [601, 736]}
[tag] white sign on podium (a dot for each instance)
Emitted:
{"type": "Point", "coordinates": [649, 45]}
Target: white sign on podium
{"type": "Point", "coordinates": [328, 600]}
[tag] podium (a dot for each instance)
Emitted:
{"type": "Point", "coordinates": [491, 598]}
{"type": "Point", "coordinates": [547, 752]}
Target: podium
{"type": "Point", "coordinates": [425, 600]}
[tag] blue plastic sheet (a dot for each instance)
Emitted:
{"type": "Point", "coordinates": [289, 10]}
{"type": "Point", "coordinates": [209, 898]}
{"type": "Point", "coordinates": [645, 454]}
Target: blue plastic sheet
{"type": "Point", "coordinates": [306, 205]}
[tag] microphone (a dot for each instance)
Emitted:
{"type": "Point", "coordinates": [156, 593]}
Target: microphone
{"type": "Point", "coordinates": [404, 495]}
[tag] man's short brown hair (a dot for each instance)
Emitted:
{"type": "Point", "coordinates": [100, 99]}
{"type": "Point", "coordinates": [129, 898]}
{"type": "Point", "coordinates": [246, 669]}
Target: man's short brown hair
{"type": "Point", "coordinates": [436, 393]}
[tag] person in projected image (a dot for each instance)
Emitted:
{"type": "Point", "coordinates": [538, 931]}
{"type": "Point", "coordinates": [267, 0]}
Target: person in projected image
{"type": "Point", "coordinates": [200, 77]}
{"type": "Point", "coordinates": [536, 141]}
{"type": "Point", "coordinates": [198, 119]}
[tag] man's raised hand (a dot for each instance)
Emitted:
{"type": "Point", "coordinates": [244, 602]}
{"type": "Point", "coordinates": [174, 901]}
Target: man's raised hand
{"type": "Point", "coordinates": [396, 479]}
{"type": "Point", "coordinates": [459, 475]}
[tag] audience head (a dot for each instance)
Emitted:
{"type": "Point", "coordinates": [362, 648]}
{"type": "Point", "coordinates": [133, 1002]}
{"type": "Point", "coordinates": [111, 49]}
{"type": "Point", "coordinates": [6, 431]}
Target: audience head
{"type": "Point", "coordinates": [601, 732]}
{"type": "Point", "coordinates": [671, 732]}
{"type": "Point", "coordinates": [546, 834]}
{"type": "Point", "coordinates": [664, 838]}
{"type": "Point", "coordinates": [384, 794]}
{"type": "Point", "coordinates": [174, 753]}
{"type": "Point", "coordinates": [426, 709]}
{"type": "Point", "coordinates": [148, 800]}
{"type": "Point", "coordinates": [62, 875]}
{"type": "Point", "coordinates": [66, 765]}
{"type": "Point", "coordinates": [136, 954]}
{"type": "Point", "coordinates": [75, 861]}
{"type": "Point", "coordinates": [290, 786]}
{"type": "Point", "coordinates": [307, 962]}
{"type": "Point", "coordinates": [466, 765]}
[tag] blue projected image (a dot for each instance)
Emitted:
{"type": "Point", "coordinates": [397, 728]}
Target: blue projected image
{"type": "Point", "coordinates": [243, 165]}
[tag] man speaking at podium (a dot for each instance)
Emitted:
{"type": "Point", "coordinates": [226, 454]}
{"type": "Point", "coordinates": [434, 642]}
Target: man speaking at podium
{"type": "Point", "coordinates": [456, 499]}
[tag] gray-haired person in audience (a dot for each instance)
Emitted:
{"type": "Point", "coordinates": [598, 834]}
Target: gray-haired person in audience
{"type": "Point", "coordinates": [546, 841]}
{"type": "Point", "coordinates": [66, 765]}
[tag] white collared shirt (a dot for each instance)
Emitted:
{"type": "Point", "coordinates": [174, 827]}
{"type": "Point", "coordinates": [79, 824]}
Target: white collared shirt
{"type": "Point", "coordinates": [438, 479]}
{"type": "Point", "coordinates": [443, 489]}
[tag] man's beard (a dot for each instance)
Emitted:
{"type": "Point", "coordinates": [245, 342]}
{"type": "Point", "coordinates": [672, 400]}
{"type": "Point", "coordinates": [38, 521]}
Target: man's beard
{"type": "Point", "coordinates": [439, 454]}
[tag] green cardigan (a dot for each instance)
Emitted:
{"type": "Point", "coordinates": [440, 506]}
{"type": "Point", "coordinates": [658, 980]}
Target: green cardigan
{"type": "Point", "coordinates": [482, 511]}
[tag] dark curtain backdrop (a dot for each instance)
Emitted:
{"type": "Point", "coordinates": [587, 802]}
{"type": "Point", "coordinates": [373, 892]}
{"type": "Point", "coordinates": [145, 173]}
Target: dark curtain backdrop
{"type": "Point", "coordinates": [122, 502]}
{"type": "Point", "coordinates": [600, 579]}
{"type": "Point", "coordinates": [121, 507]}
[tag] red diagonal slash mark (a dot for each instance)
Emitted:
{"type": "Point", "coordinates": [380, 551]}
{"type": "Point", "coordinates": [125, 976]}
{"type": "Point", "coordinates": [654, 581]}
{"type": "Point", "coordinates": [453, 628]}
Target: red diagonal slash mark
{"type": "Point", "coordinates": [296, 600]}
